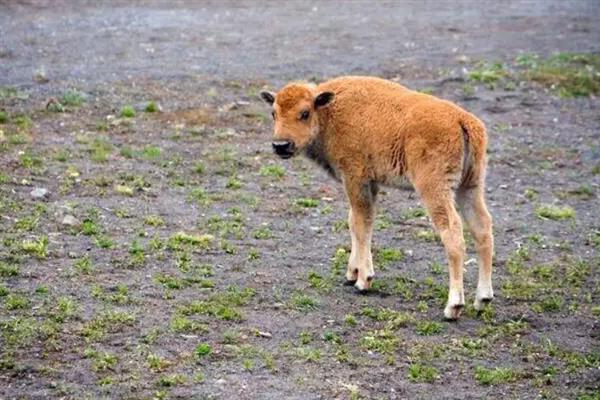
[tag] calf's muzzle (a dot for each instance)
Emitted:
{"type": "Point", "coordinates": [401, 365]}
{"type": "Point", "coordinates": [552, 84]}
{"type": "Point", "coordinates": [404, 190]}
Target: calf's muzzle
{"type": "Point", "coordinates": [284, 148]}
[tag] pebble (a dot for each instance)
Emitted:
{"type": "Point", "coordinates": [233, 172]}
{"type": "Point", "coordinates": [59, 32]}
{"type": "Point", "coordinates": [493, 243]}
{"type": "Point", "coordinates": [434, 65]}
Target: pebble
{"type": "Point", "coordinates": [39, 193]}
{"type": "Point", "coordinates": [463, 59]}
{"type": "Point", "coordinates": [70, 220]}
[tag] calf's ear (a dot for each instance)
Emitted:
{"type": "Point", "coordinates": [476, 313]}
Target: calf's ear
{"type": "Point", "coordinates": [323, 99]}
{"type": "Point", "coordinates": [268, 97]}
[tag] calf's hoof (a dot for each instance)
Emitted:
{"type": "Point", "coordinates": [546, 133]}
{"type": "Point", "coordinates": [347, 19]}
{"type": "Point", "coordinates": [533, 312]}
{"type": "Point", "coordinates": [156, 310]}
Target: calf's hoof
{"type": "Point", "coordinates": [351, 276]}
{"type": "Point", "coordinates": [363, 285]}
{"type": "Point", "coordinates": [481, 303]}
{"type": "Point", "coordinates": [453, 311]}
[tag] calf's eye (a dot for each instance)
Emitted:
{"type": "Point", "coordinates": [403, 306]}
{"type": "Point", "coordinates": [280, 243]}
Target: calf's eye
{"type": "Point", "coordinates": [304, 115]}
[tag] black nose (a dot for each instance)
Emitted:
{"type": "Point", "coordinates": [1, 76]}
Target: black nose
{"type": "Point", "coordinates": [283, 148]}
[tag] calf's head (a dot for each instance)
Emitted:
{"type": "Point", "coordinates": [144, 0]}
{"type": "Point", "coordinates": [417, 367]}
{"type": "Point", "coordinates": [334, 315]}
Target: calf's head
{"type": "Point", "coordinates": [295, 116]}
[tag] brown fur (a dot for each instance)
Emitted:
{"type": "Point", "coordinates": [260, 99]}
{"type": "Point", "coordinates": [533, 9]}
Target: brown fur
{"type": "Point", "coordinates": [375, 131]}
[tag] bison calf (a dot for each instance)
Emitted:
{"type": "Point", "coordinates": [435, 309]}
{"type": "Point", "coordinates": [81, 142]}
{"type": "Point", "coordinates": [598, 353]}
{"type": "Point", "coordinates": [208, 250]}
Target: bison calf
{"type": "Point", "coordinates": [368, 131]}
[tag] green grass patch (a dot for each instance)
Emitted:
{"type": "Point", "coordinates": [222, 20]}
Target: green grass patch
{"type": "Point", "coordinates": [393, 319]}
{"type": "Point", "coordinates": [553, 212]}
{"type": "Point", "coordinates": [386, 256]}
{"type": "Point", "coordinates": [422, 373]}
{"type": "Point", "coordinates": [273, 171]}
{"type": "Point", "coordinates": [150, 152]}
{"type": "Point", "coordinates": [567, 74]}
{"type": "Point", "coordinates": [427, 328]}
{"type": "Point", "coordinates": [37, 247]}
{"type": "Point", "coordinates": [106, 322]}
{"type": "Point", "coordinates": [381, 341]}
{"type": "Point", "coordinates": [307, 203]}
{"type": "Point", "coordinates": [200, 196]}
{"type": "Point", "coordinates": [84, 265]}
{"type": "Point", "coordinates": [154, 220]}
{"type": "Point", "coordinates": [488, 73]}
{"type": "Point", "coordinates": [181, 239]}
{"type": "Point", "coordinates": [73, 98]}
{"type": "Point", "coordinates": [414, 213]}
{"type": "Point", "coordinates": [223, 305]}
{"type": "Point", "coordinates": [183, 324]}
{"type": "Point", "coordinates": [303, 302]}
{"type": "Point", "coordinates": [171, 380]}
{"type": "Point", "coordinates": [203, 350]}
{"type": "Point", "coordinates": [316, 281]}
{"type": "Point", "coordinates": [127, 111]}
{"type": "Point", "coordinates": [19, 331]}
{"type": "Point", "coordinates": [8, 270]}
{"type": "Point", "coordinates": [16, 302]}
{"type": "Point", "coordinates": [263, 233]}
{"type": "Point", "coordinates": [151, 107]}
{"type": "Point", "coordinates": [553, 303]}
{"type": "Point", "coordinates": [495, 376]}
{"type": "Point", "coordinates": [124, 190]}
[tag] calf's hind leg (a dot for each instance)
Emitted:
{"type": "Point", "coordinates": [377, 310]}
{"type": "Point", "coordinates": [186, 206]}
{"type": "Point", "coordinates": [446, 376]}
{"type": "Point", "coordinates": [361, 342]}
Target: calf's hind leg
{"type": "Point", "coordinates": [440, 206]}
{"type": "Point", "coordinates": [472, 206]}
{"type": "Point", "coordinates": [361, 196]}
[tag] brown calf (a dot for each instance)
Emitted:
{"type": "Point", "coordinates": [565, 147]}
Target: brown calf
{"type": "Point", "coordinates": [368, 131]}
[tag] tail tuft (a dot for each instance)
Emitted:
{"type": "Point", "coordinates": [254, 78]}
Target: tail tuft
{"type": "Point", "coordinates": [474, 145]}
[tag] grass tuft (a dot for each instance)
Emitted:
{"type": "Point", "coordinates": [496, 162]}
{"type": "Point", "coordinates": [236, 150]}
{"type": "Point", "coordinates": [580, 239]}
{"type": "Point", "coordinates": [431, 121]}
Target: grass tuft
{"type": "Point", "coordinates": [127, 112]}
{"type": "Point", "coordinates": [556, 213]}
{"type": "Point", "coordinates": [151, 107]}
{"type": "Point", "coordinates": [495, 376]}
{"type": "Point", "coordinates": [422, 373]}
{"type": "Point", "coordinates": [567, 74]}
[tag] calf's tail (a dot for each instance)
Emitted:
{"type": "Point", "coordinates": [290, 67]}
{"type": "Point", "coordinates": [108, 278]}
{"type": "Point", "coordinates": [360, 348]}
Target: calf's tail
{"type": "Point", "coordinates": [474, 140]}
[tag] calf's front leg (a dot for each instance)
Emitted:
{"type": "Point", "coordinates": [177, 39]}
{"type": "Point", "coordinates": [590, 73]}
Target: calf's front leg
{"type": "Point", "coordinates": [361, 196]}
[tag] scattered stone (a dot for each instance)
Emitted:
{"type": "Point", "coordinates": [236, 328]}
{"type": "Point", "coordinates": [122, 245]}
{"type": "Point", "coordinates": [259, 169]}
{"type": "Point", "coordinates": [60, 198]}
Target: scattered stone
{"type": "Point", "coordinates": [265, 334]}
{"type": "Point", "coordinates": [189, 336]}
{"type": "Point", "coordinates": [463, 59]}
{"type": "Point", "coordinates": [70, 220]}
{"type": "Point", "coordinates": [234, 105]}
{"type": "Point", "coordinates": [229, 107]}
{"type": "Point", "coordinates": [39, 193]}
{"type": "Point", "coordinates": [40, 75]}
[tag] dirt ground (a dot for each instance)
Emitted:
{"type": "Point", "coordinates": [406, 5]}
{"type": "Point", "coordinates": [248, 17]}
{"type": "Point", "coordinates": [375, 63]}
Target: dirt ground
{"type": "Point", "coordinates": [167, 253]}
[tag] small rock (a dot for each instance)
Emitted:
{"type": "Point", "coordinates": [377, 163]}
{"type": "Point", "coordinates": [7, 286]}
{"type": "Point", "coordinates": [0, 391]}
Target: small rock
{"type": "Point", "coordinates": [229, 107]}
{"type": "Point", "coordinates": [189, 336]}
{"type": "Point", "coordinates": [39, 193]}
{"type": "Point", "coordinates": [70, 220]}
{"type": "Point", "coordinates": [463, 59]}
{"type": "Point", "coordinates": [265, 334]}
{"type": "Point", "coordinates": [234, 105]}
